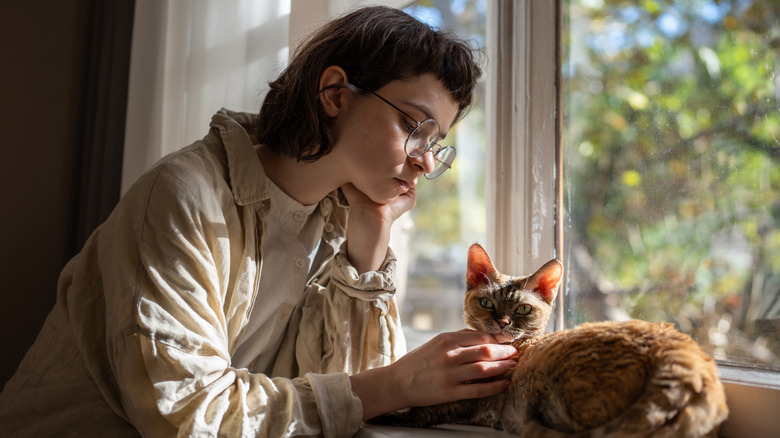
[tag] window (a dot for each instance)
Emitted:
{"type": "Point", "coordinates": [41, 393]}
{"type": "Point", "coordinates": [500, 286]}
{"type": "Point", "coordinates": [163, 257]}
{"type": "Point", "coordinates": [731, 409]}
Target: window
{"type": "Point", "coordinates": [663, 197]}
{"type": "Point", "coordinates": [450, 213]}
{"type": "Point", "coordinates": [671, 193]}
{"type": "Point", "coordinates": [671, 143]}
{"type": "Point", "coordinates": [493, 142]}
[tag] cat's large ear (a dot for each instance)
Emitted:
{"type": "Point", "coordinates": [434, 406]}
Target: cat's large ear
{"type": "Point", "coordinates": [479, 269]}
{"type": "Point", "coordinates": [546, 280]}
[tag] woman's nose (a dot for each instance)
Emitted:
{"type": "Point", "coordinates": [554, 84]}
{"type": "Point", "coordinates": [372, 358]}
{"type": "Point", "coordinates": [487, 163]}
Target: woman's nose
{"type": "Point", "coordinates": [425, 162]}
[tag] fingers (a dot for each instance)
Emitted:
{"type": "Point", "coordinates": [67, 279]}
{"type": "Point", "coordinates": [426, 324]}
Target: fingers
{"type": "Point", "coordinates": [383, 212]}
{"type": "Point", "coordinates": [465, 338]}
{"type": "Point", "coordinates": [479, 390]}
{"type": "Point", "coordinates": [454, 366]}
{"type": "Point", "coordinates": [483, 370]}
{"type": "Point", "coordinates": [468, 346]}
{"type": "Point", "coordinates": [472, 355]}
{"type": "Point", "coordinates": [483, 352]}
{"type": "Point", "coordinates": [404, 203]}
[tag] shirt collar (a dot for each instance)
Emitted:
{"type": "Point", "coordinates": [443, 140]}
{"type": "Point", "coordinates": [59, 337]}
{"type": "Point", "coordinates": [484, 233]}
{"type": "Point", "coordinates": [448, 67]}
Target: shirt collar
{"type": "Point", "coordinates": [248, 180]}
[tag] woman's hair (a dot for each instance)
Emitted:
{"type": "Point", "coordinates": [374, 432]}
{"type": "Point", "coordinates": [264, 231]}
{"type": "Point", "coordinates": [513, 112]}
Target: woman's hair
{"type": "Point", "coordinates": [374, 46]}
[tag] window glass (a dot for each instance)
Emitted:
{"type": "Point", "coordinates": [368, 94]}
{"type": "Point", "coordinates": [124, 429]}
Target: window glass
{"type": "Point", "coordinates": [671, 143]}
{"type": "Point", "coordinates": [450, 211]}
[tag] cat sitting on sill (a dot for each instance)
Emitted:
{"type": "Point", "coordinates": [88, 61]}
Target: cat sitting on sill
{"type": "Point", "coordinates": [606, 379]}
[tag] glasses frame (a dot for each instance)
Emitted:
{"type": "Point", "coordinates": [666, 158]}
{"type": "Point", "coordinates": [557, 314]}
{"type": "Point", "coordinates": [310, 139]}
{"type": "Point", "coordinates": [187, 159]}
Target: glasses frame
{"type": "Point", "coordinates": [445, 164]}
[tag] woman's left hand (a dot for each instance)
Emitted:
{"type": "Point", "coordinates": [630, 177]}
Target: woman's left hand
{"type": "Point", "coordinates": [368, 227]}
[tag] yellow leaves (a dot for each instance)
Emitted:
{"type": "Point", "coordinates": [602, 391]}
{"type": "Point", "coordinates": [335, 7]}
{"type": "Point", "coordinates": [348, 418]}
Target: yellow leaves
{"type": "Point", "coordinates": [631, 178]}
{"type": "Point", "coordinates": [636, 99]}
{"type": "Point", "coordinates": [651, 6]}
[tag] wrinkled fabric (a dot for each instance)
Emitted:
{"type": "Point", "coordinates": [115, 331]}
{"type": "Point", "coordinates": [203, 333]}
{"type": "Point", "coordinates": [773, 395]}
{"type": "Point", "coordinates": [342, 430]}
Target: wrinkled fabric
{"type": "Point", "coordinates": [148, 315]}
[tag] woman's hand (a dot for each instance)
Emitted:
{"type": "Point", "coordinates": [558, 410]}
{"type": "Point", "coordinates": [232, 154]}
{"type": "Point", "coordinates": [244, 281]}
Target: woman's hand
{"type": "Point", "coordinates": [437, 372]}
{"type": "Point", "coordinates": [368, 226]}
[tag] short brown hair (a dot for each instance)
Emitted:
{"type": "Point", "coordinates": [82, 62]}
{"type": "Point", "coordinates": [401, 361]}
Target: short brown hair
{"type": "Point", "coordinates": [374, 46]}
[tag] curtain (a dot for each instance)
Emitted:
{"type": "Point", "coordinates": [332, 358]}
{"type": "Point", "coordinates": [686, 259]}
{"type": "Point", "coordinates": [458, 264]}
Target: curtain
{"type": "Point", "coordinates": [190, 58]}
{"type": "Point", "coordinates": [101, 139]}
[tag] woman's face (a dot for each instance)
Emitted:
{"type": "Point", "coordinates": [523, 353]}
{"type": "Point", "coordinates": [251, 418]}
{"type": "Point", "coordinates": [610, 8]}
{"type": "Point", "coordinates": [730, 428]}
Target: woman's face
{"type": "Point", "coordinates": [370, 135]}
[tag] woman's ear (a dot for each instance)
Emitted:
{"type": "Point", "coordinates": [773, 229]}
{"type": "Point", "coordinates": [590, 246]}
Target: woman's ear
{"type": "Point", "coordinates": [332, 82]}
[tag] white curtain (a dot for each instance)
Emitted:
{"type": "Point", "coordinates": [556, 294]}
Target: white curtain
{"type": "Point", "coordinates": [189, 59]}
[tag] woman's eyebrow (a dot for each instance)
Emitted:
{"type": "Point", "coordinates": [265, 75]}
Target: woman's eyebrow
{"type": "Point", "coordinates": [420, 107]}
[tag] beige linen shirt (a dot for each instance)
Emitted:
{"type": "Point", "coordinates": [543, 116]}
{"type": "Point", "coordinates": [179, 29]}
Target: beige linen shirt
{"type": "Point", "coordinates": [150, 312]}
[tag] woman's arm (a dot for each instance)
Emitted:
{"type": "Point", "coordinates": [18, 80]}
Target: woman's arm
{"type": "Point", "coordinates": [436, 372]}
{"type": "Point", "coordinates": [368, 226]}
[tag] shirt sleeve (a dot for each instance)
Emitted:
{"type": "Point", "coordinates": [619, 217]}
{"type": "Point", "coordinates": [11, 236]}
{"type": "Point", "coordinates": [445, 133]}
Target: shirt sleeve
{"type": "Point", "coordinates": [173, 364]}
{"type": "Point", "coordinates": [350, 321]}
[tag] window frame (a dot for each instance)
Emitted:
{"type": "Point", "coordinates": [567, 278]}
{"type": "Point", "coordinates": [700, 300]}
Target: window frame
{"type": "Point", "coordinates": [525, 226]}
{"type": "Point", "coordinates": [523, 125]}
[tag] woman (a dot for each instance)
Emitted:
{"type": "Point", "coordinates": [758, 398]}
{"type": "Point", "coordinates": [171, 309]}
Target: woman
{"type": "Point", "coordinates": [244, 285]}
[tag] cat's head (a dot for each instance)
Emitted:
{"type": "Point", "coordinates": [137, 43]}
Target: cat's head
{"type": "Point", "coordinates": [508, 307]}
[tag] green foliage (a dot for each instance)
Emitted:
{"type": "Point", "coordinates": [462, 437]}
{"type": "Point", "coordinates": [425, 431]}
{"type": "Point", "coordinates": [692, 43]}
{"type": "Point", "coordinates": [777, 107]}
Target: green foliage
{"type": "Point", "coordinates": [445, 219]}
{"type": "Point", "coordinates": [671, 148]}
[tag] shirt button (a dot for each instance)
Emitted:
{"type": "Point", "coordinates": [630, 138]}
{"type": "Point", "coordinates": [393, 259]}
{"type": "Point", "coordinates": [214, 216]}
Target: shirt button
{"type": "Point", "coordinates": [300, 263]}
{"type": "Point", "coordinates": [329, 227]}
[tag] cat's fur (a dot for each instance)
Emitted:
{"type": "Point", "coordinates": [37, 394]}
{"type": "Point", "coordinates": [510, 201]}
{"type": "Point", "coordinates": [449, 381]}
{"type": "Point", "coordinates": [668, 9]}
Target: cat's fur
{"type": "Point", "coordinates": [607, 379]}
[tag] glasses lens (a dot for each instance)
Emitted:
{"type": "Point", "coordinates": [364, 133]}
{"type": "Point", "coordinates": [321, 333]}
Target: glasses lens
{"type": "Point", "coordinates": [443, 159]}
{"type": "Point", "coordinates": [421, 139]}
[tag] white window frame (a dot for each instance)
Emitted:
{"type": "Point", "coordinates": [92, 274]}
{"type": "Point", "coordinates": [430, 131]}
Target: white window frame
{"type": "Point", "coordinates": [525, 225]}
{"type": "Point", "coordinates": [522, 184]}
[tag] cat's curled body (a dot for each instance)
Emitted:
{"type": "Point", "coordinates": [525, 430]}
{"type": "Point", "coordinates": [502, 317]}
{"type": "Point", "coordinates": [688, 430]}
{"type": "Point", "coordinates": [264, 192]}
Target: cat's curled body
{"type": "Point", "coordinates": [607, 379]}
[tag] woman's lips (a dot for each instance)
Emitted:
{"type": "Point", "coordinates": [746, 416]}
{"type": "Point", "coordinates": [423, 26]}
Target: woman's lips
{"type": "Point", "coordinates": [405, 185]}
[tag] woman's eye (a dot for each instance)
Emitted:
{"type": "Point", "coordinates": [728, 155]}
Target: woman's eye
{"type": "Point", "coordinates": [486, 303]}
{"type": "Point", "coordinates": [409, 127]}
{"type": "Point", "coordinates": [523, 309]}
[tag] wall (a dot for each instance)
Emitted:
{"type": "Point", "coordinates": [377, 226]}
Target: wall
{"type": "Point", "coordinates": [43, 46]}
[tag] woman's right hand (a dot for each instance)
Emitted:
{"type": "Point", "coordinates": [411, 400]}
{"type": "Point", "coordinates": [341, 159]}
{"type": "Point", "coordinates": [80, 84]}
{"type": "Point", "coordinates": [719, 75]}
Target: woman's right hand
{"type": "Point", "coordinates": [441, 370]}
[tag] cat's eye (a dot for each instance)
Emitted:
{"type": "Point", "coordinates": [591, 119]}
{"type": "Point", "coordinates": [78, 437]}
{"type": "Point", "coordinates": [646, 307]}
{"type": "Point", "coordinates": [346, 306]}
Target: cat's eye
{"type": "Point", "coordinates": [523, 309]}
{"type": "Point", "coordinates": [486, 303]}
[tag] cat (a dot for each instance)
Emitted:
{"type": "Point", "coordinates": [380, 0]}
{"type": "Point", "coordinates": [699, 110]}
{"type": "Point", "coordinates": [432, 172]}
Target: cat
{"type": "Point", "coordinates": [605, 379]}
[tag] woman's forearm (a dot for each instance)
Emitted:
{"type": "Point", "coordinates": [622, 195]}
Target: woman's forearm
{"type": "Point", "coordinates": [378, 390]}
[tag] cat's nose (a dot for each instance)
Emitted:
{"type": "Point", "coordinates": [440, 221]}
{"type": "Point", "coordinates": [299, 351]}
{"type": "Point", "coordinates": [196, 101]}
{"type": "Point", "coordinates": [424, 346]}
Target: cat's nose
{"type": "Point", "coordinates": [503, 322]}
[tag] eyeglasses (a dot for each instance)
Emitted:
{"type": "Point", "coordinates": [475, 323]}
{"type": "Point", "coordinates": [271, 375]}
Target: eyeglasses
{"type": "Point", "coordinates": [422, 138]}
